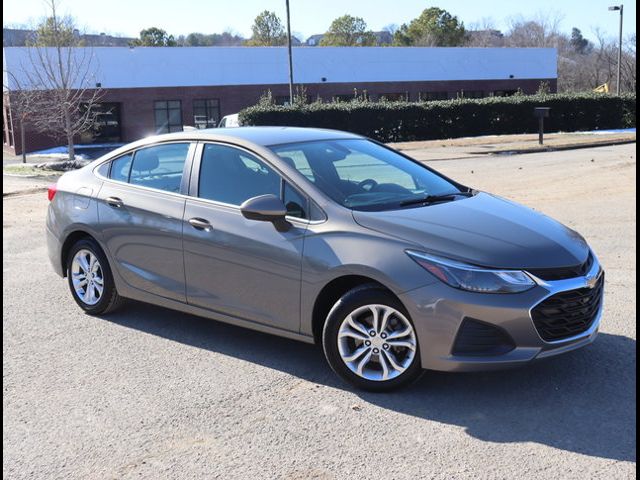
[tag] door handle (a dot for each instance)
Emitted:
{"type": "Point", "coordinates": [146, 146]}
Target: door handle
{"type": "Point", "coordinates": [200, 224]}
{"type": "Point", "coordinates": [114, 202]}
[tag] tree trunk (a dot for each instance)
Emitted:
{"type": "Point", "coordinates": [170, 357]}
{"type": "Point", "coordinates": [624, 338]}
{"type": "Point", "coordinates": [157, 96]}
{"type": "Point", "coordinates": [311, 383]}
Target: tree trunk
{"type": "Point", "coordinates": [24, 152]}
{"type": "Point", "coordinates": [67, 124]}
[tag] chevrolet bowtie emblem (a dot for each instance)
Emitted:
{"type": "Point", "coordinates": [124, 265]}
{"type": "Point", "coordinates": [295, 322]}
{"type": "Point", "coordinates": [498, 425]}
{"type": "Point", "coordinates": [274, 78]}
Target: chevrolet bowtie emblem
{"type": "Point", "coordinates": [591, 281]}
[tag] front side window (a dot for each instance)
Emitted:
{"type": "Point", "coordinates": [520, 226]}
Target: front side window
{"type": "Point", "coordinates": [206, 113]}
{"type": "Point", "coordinates": [168, 116]}
{"type": "Point", "coordinates": [158, 167]}
{"type": "Point", "coordinates": [363, 175]}
{"type": "Point", "coordinates": [296, 203]}
{"type": "Point", "coordinates": [230, 175]}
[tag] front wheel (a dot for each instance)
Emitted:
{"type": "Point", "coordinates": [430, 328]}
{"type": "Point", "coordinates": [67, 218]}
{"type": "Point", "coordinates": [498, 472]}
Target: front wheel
{"type": "Point", "coordinates": [369, 340]}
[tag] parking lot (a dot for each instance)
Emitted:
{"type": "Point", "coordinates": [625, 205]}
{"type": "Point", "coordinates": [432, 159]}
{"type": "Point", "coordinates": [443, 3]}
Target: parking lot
{"type": "Point", "coordinates": [151, 393]}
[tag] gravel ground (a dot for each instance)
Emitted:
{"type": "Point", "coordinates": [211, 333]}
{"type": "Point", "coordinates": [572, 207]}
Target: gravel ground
{"type": "Point", "coordinates": [151, 393]}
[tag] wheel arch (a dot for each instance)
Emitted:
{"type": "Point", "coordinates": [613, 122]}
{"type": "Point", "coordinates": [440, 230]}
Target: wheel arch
{"type": "Point", "coordinates": [71, 239]}
{"type": "Point", "coordinates": [333, 291]}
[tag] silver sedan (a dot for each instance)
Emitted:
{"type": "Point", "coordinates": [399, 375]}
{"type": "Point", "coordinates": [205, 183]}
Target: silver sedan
{"type": "Point", "coordinates": [325, 237]}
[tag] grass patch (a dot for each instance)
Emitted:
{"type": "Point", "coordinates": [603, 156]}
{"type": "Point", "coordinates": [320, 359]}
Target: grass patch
{"type": "Point", "coordinates": [26, 170]}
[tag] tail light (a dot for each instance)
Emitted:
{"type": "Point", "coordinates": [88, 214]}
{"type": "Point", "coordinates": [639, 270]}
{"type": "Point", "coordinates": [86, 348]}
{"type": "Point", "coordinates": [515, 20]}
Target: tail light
{"type": "Point", "coordinates": [51, 192]}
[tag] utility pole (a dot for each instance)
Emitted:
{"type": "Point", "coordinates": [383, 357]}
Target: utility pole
{"type": "Point", "coordinates": [621, 10]}
{"type": "Point", "coordinates": [290, 55]}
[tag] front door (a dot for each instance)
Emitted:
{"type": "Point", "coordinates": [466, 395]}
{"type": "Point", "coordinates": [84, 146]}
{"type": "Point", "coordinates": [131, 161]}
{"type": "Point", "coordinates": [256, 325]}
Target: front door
{"type": "Point", "coordinates": [239, 267]}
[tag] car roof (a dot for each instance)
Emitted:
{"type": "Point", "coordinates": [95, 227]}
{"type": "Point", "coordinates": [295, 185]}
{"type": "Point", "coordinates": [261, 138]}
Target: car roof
{"type": "Point", "coordinates": [263, 136]}
{"type": "Point", "coordinates": [260, 136]}
{"type": "Point", "coordinates": [267, 136]}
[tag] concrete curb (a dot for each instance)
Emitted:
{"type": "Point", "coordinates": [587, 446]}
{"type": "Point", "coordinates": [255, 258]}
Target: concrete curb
{"type": "Point", "coordinates": [554, 148]}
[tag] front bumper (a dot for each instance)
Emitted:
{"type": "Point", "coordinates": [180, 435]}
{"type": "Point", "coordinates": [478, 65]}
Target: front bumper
{"type": "Point", "coordinates": [439, 311]}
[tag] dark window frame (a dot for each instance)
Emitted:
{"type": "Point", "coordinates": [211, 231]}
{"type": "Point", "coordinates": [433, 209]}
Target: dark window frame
{"type": "Point", "coordinates": [168, 127]}
{"type": "Point", "coordinates": [207, 112]}
{"type": "Point", "coordinates": [434, 96]}
{"type": "Point", "coordinates": [394, 97]}
{"type": "Point", "coordinates": [471, 94]}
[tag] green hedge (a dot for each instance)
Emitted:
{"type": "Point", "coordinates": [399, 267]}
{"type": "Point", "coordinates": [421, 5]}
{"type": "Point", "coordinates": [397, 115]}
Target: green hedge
{"type": "Point", "coordinates": [408, 121]}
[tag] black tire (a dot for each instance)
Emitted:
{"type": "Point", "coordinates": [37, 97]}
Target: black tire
{"type": "Point", "coordinates": [110, 299]}
{"type": "Point", "coordinates": [358, 297]}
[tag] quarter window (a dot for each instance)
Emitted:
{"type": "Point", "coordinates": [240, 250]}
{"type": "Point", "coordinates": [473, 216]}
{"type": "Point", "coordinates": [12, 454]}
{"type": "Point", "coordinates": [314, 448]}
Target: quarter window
{"type": "Point", "coordinates": [230, 175]}
{"type": "Point", "coordinates": [168, 116]}
{"type": "Point", "coordinates": [159, 167]}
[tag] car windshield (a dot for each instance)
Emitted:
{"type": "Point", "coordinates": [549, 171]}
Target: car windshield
{"type": "Point", "coordinates": [363, 175]}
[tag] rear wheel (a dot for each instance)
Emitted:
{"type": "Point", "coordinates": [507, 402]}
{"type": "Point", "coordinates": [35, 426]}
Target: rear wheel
{"type": "Point", "coordinates": [90, 278]}
{"type": "Point", "coordinates": [369, 340]}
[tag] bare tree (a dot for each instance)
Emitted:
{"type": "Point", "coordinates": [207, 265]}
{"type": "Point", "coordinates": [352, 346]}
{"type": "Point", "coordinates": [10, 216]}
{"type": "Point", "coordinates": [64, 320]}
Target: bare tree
{"type": "Point", "coordinates": [628, 75]}
{"type": "Point", "coordinates": [62, 78]}
{"type": "Point", "coordinates": [541, 31]}
{"type": "Point", "coordinates": [485, 34]}
{"type": "Point", "coordinates": [23, 105]}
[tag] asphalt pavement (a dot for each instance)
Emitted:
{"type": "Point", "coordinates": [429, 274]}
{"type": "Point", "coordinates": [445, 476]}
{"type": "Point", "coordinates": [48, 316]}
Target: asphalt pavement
{"type": "Point", "coordinates": [152, 393]}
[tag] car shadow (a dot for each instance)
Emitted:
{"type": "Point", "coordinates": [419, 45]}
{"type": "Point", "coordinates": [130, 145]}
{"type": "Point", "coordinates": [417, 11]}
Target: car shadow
{"type": "Point", "coordinates": [583, 402]}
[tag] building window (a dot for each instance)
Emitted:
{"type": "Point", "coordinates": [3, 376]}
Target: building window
{"type": "Point", "coordinates": [282, 99]}
{"type": "Point", "coordinates": [206, 113]}
{"type": "Point", "coordinates": [106, 128]}
{"type": "Point", "coordinates": [471, 94]}
{"type": "Point", "coordinates": [394, 97]}
{"type": "Point", "coordinates": [504, 93]}
{"type": "Point", "coordinates": [168, 116]}
{"type": "Point", "coordinates": [429, 96]}
{"type": "Point", "coordinates": [349, 97]}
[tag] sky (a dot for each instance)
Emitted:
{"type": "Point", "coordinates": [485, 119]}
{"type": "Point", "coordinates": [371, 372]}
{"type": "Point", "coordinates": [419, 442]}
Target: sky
{"type": "Point", "coordinates": [128, 17]}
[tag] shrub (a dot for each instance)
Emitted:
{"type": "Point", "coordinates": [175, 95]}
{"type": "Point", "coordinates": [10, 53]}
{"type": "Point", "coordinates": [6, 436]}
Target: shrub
{"type": "Point", "coordinates": [408, 121]}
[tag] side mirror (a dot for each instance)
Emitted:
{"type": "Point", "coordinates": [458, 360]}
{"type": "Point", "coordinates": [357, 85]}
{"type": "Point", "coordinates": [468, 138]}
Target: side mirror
{"type": "Point", "coordinates": [265, 208]}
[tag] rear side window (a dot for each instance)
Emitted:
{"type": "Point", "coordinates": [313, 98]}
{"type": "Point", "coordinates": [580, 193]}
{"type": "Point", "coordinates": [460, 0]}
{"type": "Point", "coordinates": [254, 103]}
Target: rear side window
{"type": "Point", "coordinates": [120, 168]}
{"type": "Point", "coordinates": [159, 167]}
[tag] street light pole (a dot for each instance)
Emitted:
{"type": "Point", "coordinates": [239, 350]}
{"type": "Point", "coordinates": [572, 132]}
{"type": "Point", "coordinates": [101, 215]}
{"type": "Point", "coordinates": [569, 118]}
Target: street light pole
{"type": "Point", "coordinates": [621, 9]}
{"type": "Point", "coordinates": [290, 55]}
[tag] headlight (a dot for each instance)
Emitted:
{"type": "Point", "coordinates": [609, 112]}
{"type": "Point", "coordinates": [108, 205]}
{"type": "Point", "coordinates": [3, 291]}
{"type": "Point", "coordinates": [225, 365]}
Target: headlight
{"type": "Point", "coordinates": [472, 278]}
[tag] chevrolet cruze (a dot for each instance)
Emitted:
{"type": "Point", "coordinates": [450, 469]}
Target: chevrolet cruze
{"type": "Point", "coordinates": [327, 237]}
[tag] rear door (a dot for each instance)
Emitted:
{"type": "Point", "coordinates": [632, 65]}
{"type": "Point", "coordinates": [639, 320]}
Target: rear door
{"type": "Point", "coordinates": [244, 268]}
{"type": "Point", "coordinates": [140, 210]}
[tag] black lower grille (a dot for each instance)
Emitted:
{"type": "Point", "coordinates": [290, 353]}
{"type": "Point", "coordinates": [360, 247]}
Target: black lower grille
{"type": "Point", "coordinates": [476, 338]}
{"type": "Point", "coordinates": [568, 313]}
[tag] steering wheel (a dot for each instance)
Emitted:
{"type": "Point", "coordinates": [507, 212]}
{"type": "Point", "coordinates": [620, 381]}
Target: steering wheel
{"type": "Point", "coordinates": [370, 182]}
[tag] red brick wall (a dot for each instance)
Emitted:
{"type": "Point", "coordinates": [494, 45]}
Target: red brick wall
{"type": "Point", "coordinates": [137, 104]}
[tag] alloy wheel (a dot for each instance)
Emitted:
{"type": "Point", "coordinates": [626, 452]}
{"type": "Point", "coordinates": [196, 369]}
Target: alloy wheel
{"type": "Point", "coordinates": [377, 342]}
{"type": "Point", "coordinates": [87, 277]}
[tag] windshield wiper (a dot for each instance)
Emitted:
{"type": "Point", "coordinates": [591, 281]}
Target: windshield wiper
{"type": "Point", "coordinates": [435, 198]}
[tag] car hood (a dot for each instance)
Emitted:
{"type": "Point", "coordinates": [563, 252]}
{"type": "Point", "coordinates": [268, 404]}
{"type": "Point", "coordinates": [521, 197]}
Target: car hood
{"type": "Point", "coordinates": [483, 230]}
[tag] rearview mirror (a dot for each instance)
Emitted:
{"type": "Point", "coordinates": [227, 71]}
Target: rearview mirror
{"type": "Point", "coordinates": [265, 208]}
